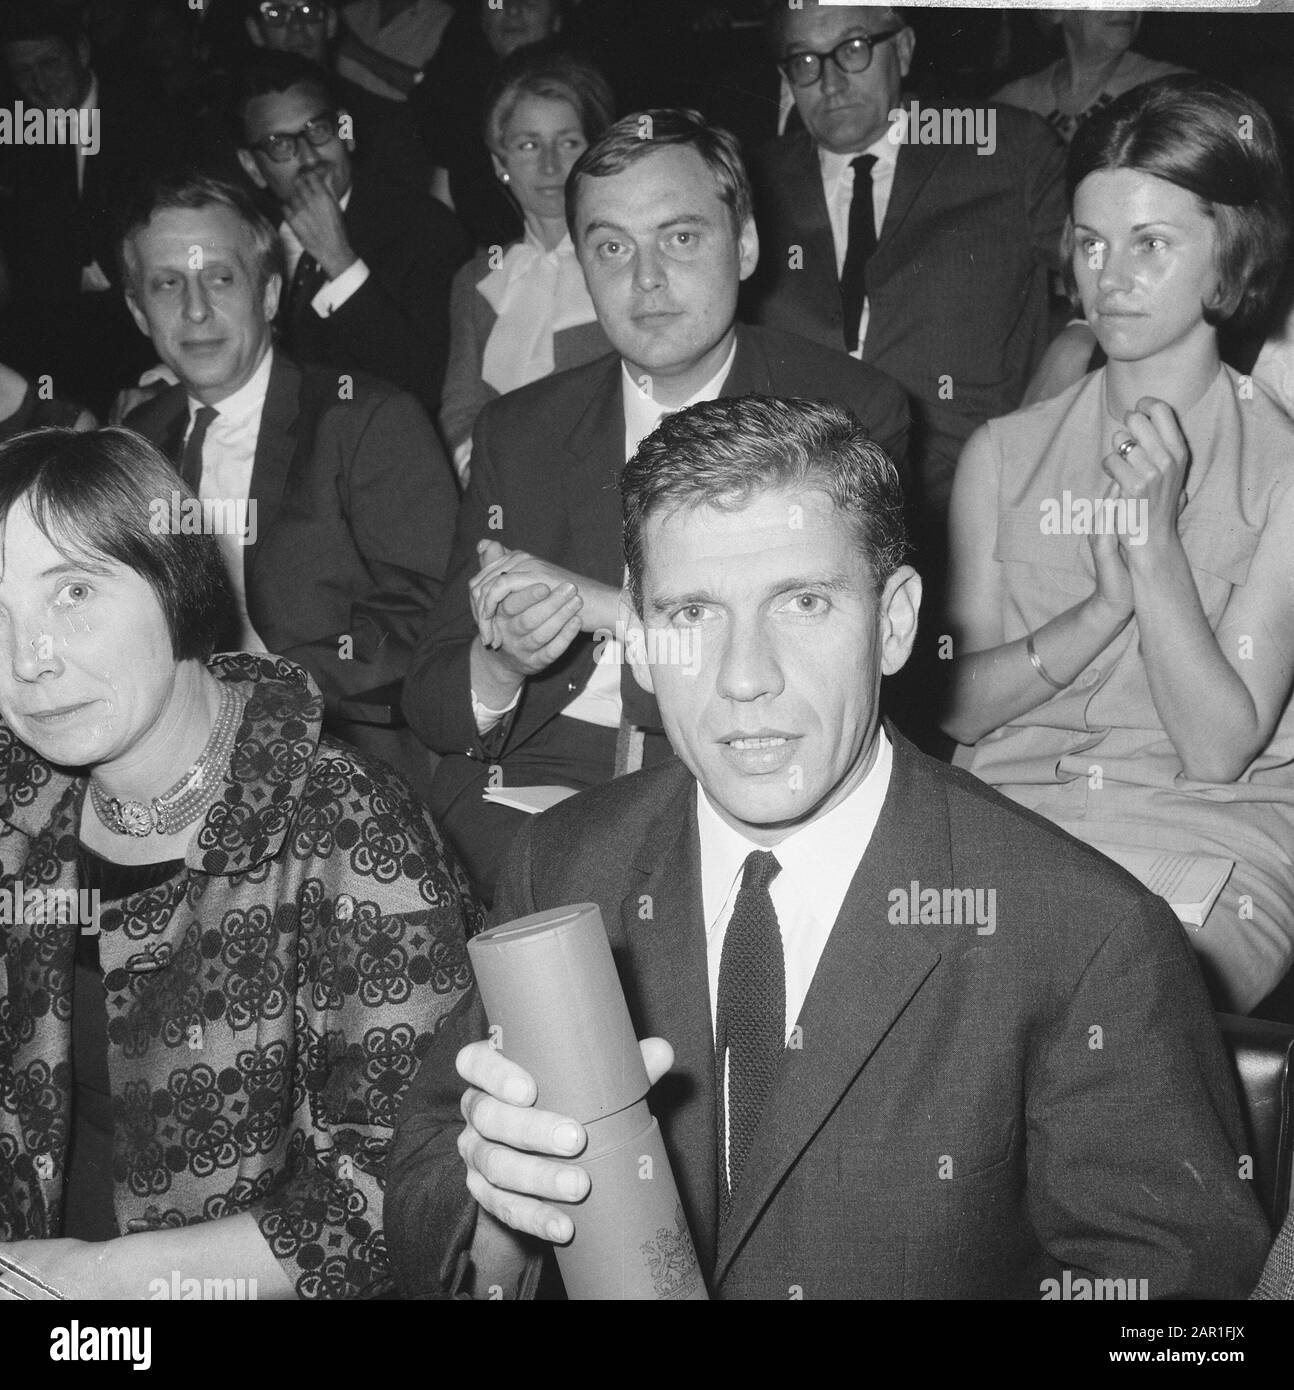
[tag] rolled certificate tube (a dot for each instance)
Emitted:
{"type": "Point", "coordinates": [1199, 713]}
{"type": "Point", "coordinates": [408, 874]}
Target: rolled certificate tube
{"type": "Point", "coordinates": [555, 1006]}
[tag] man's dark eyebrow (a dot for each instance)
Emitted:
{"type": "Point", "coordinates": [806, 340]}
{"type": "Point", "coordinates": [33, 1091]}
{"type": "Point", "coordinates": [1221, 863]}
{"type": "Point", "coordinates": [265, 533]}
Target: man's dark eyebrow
{"type": "Point", "coordinates": [833, 583]}
{"type": "Point", "coordinates": [602, 225]}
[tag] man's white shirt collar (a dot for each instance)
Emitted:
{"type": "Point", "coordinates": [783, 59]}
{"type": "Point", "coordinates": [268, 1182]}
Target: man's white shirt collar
{"type": "Point", "coordinates": [885, 149]}
{"type": "Point", "coordinates": [819, 859]}
{"type": "Point", "coordinates": [643, 413]}
{"type": "Point", "coordinates": [247, 401]}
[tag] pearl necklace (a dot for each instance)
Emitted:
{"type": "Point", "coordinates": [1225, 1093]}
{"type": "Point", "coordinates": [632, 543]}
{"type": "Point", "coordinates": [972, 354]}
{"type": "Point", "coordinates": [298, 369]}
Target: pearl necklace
{"type": "Point", "coordinates": [181, 804]}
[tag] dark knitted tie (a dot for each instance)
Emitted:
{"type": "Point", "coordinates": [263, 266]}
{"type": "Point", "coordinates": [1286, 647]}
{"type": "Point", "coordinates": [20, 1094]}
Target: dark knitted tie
{"type": "Point", "coordinates": [191, 459]}
{"type": "Point", "coordinates": [862, 242]}
{"type": "Point", "coordinates": [750, 1023]}
{"type": "Point", "coordinates": [307, 280]}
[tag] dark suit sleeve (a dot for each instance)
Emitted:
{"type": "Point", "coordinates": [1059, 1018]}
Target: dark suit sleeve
{"type": "Point", "coordinates": [1134, 1129]}
{"type": "Point", "coordinates": [398, 501]}
{"type": "Point", "coordinates": [889, 419]}
{"type": "Point", "coordinates": [1044, 184]}
{"type": "Point", "coordinates": [438, 687]}
{"type": "Point", "coordinates": [396, 325]}
{"type": "Point", "coordinates": [430, 1217]}
{"type": "Point", "coordinates": [465, 393]}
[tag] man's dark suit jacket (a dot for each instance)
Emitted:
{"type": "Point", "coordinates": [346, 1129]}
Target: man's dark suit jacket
{"type": "Point", "coordinates": [957, 286]}
{"type": "Point", "coordinates": [355, 507]}
{"type": "Point", "coordinates": [546, 461]}
{"type": "Point", "coordinates": [396, 325]}
{"type": "Point", "coordinates": [967, 1114]}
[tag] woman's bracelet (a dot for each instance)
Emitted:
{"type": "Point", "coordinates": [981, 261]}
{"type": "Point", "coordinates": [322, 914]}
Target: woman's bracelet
{"type": "Point", "coordinates": [1036, 662]}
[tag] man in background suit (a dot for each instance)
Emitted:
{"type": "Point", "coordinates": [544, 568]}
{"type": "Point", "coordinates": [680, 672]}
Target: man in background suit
{"type": "Point", "coordinates": [963, 1053]}
{"type": "Point", "coordinates": [369, 263]}
{"type": "Point", "coordinates": [57, 202]}
{"type": "Point", "coordinates": [350, 498]}
{"type": "Point", "coordinates": [517, 682]}
{"type": "Point", "coordinates": [940, 276]}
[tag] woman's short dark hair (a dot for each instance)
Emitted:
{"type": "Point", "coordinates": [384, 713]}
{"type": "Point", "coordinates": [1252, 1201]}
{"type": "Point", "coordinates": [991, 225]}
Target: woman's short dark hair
{"type": "Point", "coordinates": [721, 453]}
{"type": "Point", "coordinates": [1216, 143]}
{"type": "Point", "coordinates": [542, 70]}
{"type": "Point", "coordinates": [108, 494]}
{"type": "Point", "coordinates": [641, 133]}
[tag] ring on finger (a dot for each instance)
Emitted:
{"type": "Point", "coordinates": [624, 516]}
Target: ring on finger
{"type": "Point", "coordinates": [1126, 448]}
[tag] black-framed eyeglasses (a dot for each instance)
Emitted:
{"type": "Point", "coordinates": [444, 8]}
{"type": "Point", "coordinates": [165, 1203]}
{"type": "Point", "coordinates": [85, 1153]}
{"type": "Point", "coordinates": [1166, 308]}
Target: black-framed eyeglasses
{"type": "Point", "coordinates": [277, 15]}
{"type": "Point", "coordinates": [853, 55]}
{"type": "Point", "coordinates": [282, 145]}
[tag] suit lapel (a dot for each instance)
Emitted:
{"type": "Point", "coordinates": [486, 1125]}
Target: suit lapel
{"type": "Point", "coordinates": [665, 931]}
{"type": "Point", "coordinates": [809, 198]}
{"type": "Point", "coordinates": [912, 171]}
{"type": "Point", "coordinates": [276, 442]}
{"type": "Point", "coordinates": [868, 973]}
{"type": "Point", "coordinates": [596, 454]}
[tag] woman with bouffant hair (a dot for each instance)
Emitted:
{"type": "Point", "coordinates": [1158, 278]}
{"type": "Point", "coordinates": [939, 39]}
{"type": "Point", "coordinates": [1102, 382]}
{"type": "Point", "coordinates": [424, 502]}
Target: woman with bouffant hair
{"type": "Point", "coordinates": [1120, 591]}
{"type": "Point", "coordinates": [236, 937]}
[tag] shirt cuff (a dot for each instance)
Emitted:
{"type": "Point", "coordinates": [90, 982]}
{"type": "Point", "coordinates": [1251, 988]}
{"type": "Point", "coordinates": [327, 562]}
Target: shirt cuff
{"type": "Point", "coordinates": [486, 718]}
{"type": "Point", "coordinates": [336, 292]}
{"type": "Point", "coordinates": [160, 373]}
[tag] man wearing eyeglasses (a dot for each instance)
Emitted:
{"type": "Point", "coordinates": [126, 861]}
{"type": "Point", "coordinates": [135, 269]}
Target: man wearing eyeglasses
{"type": "Point", "coordinates": [364, 78]}
{"type": "Point", "coordinates": [928, 260]}
{"type": "Point", "coordinates": [369, 264]}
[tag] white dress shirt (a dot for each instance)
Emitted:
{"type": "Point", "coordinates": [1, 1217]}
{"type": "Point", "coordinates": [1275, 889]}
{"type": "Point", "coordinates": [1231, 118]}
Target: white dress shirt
{"type": "Point", "coordinates": [838, 186]}
{"type": "Point", "coordinates": [228, 453]}
{"type": "Point", "coordinates": [818, 864]}
{"type": "Point", "coordinates": [599, 701]}
{"type": "Point", "coordinates": [332, 293]}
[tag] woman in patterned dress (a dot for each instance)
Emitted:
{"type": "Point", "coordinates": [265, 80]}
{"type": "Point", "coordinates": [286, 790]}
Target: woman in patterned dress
{"type": "Point", "coordinates": [225, 940]}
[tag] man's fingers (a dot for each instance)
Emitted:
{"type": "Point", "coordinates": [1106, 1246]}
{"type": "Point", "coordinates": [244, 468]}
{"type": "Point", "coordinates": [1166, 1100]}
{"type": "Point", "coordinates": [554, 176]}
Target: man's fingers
{"type": "Point", "coordinates": [521, 1213]}
{"type": "Point", "coordinates": [658, 1057]}
{"type": "Point", "coordinates": [484, 1067]}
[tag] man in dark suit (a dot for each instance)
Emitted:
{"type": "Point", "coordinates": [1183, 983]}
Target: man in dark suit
{"type": "Point", "coordinates": [963, 1055]}
{"type": "Point", "coordinates": [348, 494]}
{"type": "Point", "coordinates": [57, 201]}
{"type": "Point", "coordinates": [517, 682]}
{"type": "Point", "coordinates": [936, 269]}
{"type": "Point", "coordinates": [370, 263]}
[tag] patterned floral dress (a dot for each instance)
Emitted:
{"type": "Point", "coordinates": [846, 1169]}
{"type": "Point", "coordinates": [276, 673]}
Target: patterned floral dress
{"type": "Point", "coordinates": [282, 988]}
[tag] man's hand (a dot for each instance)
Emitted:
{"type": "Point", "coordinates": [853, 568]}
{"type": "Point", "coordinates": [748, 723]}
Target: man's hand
{"type": "Point", "coordinates": [130, 398]}
{"type": "Point", "coordinates": [315, 215]}
{"type": "Point", "coordinates": [504, 572]}
{"type": "Point", "coordinates": [506, 1140]}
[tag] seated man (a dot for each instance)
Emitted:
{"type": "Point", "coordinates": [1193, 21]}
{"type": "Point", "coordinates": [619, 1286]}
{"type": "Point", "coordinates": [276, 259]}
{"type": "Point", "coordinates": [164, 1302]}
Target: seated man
{"type": "Point", "coordinates": [982, 1054]}
{"type": "Point", "coordinates": [369, 263]}
{"type": "Point", "coordinates": [57, 201]}
{"type": "Point", "coordinates": [513, 683]}
{"type": "Point", "coordinates": [919, 238]}
{"type": "Point", "coordinates": [348, 498]}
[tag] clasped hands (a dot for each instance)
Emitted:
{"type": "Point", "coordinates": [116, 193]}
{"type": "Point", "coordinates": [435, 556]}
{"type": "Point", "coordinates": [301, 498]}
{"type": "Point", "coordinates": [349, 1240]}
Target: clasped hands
{"type": "Point", "coordinates": [1146, 467]}
{"type": "Point", "coordinates": [530, 611]}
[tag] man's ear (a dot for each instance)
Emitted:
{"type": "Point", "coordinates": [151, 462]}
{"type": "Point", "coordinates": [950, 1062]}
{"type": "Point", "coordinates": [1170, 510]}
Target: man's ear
{"type": "Point", "coordinates": [270, 302]}
{"type": "Point", "coordinates": [899, 605]}
{"type": "Point", "coordinates": [906, 43]}
{"type": "Point", "coordinates": [748, 249]}
{"type": "Point", "coordinates": [136, 313]}
{"type": "Point", "coordinates": [634, 636]}
{"type": "Point", "coordinates": [248, 160]}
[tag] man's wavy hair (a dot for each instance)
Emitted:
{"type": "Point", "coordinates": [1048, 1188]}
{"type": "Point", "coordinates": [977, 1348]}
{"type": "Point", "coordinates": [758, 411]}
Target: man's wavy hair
{"type": "Point", "coordinates": [641, 133]}
{"type": "Point", "coordinates": [722, 453]}
{"type": "Point", "coordinates": [192, 192]}
{"type": "Point", "coordinates": [1216, 143]}
{"type": "Point", "coordinates": [93, 495]}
